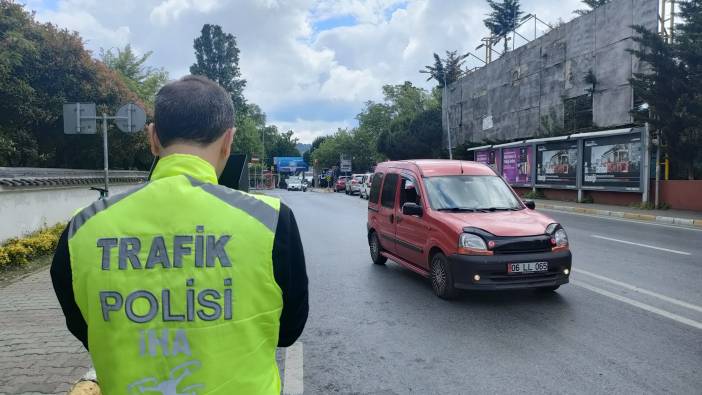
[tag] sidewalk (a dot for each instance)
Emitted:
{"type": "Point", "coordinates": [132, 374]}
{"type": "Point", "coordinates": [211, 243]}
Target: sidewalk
{"type": "Point", "coordinates": [677, 217]}
{"type": "Point", "coordinates": [37, 353]}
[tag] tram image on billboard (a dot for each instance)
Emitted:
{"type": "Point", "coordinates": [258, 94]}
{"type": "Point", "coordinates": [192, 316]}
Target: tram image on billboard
{"type": "Point", "coordinates": [556, 163]}
{"type": "Point", "coordinates": [613, 162]}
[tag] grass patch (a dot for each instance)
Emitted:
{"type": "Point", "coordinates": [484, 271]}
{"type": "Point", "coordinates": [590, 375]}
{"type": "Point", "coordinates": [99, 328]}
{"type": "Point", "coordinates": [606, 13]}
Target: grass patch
{"type": "Point", "coordinates": [537, 194]}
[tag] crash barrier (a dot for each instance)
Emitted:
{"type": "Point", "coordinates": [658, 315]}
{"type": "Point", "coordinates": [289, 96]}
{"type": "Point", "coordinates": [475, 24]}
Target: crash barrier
{"type": "Point", "coordinates": [34, 198]}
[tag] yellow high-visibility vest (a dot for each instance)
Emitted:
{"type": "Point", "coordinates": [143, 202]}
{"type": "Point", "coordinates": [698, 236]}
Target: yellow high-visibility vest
{"type": "Point", "coordinates": [175, 281]}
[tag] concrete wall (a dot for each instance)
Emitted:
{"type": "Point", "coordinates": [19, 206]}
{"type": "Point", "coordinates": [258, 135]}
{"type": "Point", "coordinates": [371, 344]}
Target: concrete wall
{"type": "Point", "coordinates": [507, 99]}
{"type": "Point", "coordinates": [24, 210]}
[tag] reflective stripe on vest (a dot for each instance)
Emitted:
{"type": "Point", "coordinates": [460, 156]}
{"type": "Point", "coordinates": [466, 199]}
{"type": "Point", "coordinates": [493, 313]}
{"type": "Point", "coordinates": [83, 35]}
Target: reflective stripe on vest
{"type": "Point", "coordinates": [175, 281]}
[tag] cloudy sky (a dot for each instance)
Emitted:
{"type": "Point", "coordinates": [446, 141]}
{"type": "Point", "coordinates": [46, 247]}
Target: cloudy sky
{"type": "Point", "coordinates": [310, 64]}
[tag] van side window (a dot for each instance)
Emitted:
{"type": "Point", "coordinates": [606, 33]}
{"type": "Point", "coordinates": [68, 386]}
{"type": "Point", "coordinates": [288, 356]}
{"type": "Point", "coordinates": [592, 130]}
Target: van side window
{"type": "Point", "coordinates": [409, 192]}
{"type": "Point", "coordinates": [387, 199]}
{"type": "Point", "coordinates": [375, 188]}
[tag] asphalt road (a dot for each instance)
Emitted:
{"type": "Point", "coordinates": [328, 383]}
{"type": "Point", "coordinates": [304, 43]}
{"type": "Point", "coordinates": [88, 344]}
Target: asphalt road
{"type": "Point", "coordinates": [630, 321]}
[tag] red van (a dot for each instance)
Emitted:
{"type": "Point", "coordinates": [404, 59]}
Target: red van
{"type": "Point", "coordinates": [462, 226]}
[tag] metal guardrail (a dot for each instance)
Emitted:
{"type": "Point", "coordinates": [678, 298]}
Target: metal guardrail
{"type": "Point", "coordinates": [40, 177]}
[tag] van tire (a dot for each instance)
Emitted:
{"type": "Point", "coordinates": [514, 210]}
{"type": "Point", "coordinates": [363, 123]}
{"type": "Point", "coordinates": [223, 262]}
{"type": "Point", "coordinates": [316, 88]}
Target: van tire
{"type": "Point", "coordinates": [375, 249]}
{"type": "Point", "coordinates": [441, 277]}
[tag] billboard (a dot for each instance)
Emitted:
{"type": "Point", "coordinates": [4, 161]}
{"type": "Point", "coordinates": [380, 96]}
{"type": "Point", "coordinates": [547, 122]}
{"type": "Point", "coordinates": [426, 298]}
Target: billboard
{"type": "Point", "coordinates": [556, 164]}
{"type": "Point", "coordinates": [487, 157]}
{"type": "Point", "coordinates": [613, 162]}
{"type": "Point", "coordinates": [516, 165]}
{"type": "Point", "coordinates": [289, 164]}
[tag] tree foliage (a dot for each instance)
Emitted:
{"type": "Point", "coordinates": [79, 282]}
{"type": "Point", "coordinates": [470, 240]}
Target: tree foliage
{"type": "Point", "coordinates": [143, 80]}
{"type": "Point", "coordinates": [217, 58]}
{"type": "Point", "coordinates": [672, 87]}
{"type": "Point", "coordinates": [41, 68]}
{"type": "Point", "coordinates": [447, 70]}
{"type": "Point", "coordinates": [592, 4]}
{"type": "Point", "coordinates": [503, 19]}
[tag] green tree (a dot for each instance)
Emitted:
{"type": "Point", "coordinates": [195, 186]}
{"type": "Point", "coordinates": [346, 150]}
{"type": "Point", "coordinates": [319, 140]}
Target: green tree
{"type": "Point", "coordinates": [33, 91]}
{"type": "Point", "coordinates": [217, 58]}
{"type": "Point", "coordinates": [592, 4]}
{"type": "Point", "coordinates": [671, 87]}
{"type": "Point", "coordinates": [503, 19]}
{"type": "Point", "coordinates": [143, 80]}
{"type": "Point", "coordinates": [281, 144]}
{"type": "Point", "coordinates": [448, 69]}
{"type": "Point", "coordinates": [307, 156]}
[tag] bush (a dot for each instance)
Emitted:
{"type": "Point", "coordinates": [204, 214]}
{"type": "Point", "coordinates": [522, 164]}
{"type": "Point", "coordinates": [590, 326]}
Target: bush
{"type": "Point", "coordinates": [18, 252]}
{"type": "Point", "coordinates": [587, 199]}
{"type": "Point", "coordinates": [535, 194]}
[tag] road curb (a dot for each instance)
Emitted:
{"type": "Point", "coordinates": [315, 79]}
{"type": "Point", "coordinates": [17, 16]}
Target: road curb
{"type": "Point", "coordinates": [624, 214]}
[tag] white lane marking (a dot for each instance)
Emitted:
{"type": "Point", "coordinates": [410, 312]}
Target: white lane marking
{"type": "Point", "coordinates": [643, 306]}
{"type": "Point", "coordinates": [641, 245]}
{"type": "Point", "coordinates": [641, 290]}
{"type": "Point", "coordinates": [293, 375]}
{"type": "Point", "coordinates": [623, 219]}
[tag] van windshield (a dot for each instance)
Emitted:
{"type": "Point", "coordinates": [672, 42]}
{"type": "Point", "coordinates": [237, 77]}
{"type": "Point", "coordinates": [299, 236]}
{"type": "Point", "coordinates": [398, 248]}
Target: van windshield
{"type": "Point", "coordinates": [470, 193]}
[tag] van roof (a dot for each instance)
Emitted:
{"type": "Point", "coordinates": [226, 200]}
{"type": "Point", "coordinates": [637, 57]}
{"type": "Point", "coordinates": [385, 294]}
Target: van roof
{"type": "Point", "coordinates": [440, 167]}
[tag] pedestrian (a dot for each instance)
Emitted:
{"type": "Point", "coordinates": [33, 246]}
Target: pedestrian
{"type": "Point", "coordinates": [182, 285]}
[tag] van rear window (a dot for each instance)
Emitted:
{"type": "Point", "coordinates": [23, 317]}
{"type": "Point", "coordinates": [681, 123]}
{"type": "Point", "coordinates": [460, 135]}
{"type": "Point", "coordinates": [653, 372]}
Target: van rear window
{"type": "Point", "coordinates": [387, 199]}
{"type": "Point", "coordinates": [375, 188]}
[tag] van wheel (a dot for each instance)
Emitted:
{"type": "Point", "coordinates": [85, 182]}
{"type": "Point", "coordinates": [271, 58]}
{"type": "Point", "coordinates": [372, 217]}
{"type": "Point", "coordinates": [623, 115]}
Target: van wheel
{"type": "Point", "coordinates": [375, 249]}
{"type": "Point", "coordinates": [441, 277]}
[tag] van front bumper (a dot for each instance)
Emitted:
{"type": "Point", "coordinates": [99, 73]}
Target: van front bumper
{"type": "Point", "coordinates": [492, 270]}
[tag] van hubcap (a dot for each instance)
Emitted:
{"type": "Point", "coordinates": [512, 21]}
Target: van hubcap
{"type": "Point", "coordinates": [374, 247]}
{"type": "Point", "coordinates": [439, 275]}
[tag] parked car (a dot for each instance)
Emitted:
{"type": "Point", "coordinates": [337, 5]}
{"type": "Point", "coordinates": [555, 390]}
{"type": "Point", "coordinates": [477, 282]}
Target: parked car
{"type": "Point", "coordinates": [463, 227]}
{"type": "Point", "coordinates": [365, 186]}
{"type": "Point", "coordinates": [295, 183]}
{"type": "Point", "coordinates": [340, 184]}
{"type": "Point", "coordinates": [353, 184]}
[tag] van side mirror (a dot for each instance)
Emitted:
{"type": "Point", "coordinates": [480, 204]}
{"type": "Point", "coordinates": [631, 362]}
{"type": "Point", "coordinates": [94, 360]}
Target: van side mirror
{"type": "Point", "coordinates": [412, 209]}
{"type": "Point", "coordinates": [530, 204]}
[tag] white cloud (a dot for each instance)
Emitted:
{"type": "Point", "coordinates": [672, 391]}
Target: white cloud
{"type": "Point", "coordinates": [306, 130]}
{"type": "Point", "coordinates": [170, 10]}
{"type": "Point", "coordinates": [309, 81]}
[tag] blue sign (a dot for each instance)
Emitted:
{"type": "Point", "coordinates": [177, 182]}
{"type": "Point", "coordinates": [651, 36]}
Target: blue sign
{"type": "Point", "coordinates": [290, 164]}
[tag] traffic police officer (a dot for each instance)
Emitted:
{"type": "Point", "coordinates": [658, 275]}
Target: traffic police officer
{"type": "Point", "coordinates": [182, 285]}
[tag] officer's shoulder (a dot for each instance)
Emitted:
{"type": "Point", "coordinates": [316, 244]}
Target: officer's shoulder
{"type": "Point", "coordinates": [230, 194]}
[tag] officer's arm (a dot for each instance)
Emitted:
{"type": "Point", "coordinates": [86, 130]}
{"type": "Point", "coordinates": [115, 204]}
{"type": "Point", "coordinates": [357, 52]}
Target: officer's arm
{"type": "Point", "coordinates": [291, 276]}
{"type": "Point", "coordinates": [61, 277]}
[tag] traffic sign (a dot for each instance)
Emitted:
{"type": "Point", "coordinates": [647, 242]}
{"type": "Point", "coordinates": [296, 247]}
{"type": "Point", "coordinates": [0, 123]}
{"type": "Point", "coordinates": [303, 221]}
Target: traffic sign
{"type": "Point", "coordinates": [345, 165]}
{"type": "Point", "coordinates": [130, 118]}
{"type": "Point", "coordinates": [79, 118]}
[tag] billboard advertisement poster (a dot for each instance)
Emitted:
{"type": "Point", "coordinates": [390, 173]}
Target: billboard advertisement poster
{"type": "Point", "coordinates": [556, 163]}
{"type": "Point", "coordinates": [487, 157]}
{"type": "Point", "coordinates": [516, 165]}
{"type": "Point", "coordinates": [613, 162]}
{"type": "Point", "coordinates": [290, 164]}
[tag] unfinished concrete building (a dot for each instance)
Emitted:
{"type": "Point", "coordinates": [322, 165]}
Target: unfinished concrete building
{"type": "Point", "coordinates": [541, 87]}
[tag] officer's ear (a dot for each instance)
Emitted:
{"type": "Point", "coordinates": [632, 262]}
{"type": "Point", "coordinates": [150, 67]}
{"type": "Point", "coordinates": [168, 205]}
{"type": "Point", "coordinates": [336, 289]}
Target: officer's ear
{"type": "Point", "coordinates": [227, 142]}
{"type": "Point", "coordinates": [154, 142]}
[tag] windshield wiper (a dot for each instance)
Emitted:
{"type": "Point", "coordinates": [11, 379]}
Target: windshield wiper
{"type": "Point", "coordinates": [457, 209]}
{"type": "Point", "coordinates": [491, 209]}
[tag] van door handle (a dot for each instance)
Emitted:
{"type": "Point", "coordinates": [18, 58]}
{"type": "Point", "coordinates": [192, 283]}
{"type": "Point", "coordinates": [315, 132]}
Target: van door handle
{"type": "Point", "coordinates": [392, 218]}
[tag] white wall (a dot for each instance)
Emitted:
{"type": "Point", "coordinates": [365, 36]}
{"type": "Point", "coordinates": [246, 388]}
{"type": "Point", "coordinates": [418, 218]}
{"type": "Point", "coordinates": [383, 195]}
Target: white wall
{"type": "Point", "coordinates": [23, 211]}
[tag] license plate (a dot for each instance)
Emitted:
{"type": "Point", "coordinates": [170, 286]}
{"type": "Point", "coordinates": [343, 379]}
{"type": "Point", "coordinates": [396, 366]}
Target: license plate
{"type": "Point", "coordinates": [527, 267]}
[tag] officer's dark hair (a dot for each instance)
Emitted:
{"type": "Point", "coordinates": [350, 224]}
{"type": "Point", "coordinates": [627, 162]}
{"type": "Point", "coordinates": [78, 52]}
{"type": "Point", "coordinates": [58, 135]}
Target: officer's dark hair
{"type": "Point", "coordinates": [192, 109]}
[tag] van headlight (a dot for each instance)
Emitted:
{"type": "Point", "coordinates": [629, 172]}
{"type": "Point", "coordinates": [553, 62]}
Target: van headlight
{"type": "Point", "coordinates": [470, 244]}
{"type": "Point", "coordinates": [559, 237]}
